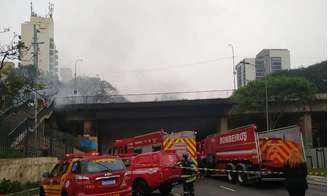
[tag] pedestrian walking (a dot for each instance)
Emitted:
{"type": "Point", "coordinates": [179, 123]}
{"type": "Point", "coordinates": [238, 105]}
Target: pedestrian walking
{"type": "Point", "coordinates": [295, 172]}
{"type": "Point", "coordinates": [188, 175]}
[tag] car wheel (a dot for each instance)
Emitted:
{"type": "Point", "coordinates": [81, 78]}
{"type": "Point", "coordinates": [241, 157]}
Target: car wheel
{"type": "Point", "coordinates": [42, 193]}
{"type": "Point", "coordinates": [64, 194]}
{"type": "Point", "coordinates": [165, 188]}
{"type": "Point", "coordinates": [140, 188]}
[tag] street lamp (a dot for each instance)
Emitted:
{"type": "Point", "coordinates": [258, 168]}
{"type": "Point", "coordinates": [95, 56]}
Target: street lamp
{"type": "Point", "coordinates": [76, 61]}
{"type": "Point", "coordinates": [266, 95]}
{"type": "Point", "coordinates": [233, 66]}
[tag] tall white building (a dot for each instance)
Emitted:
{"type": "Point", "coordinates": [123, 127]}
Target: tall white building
{"type": "Point", "coordinates": [66, 74]}
{"type": "Point", "coordinates": [271, 60]}
{"type": "Point", "coordinates": [245, 71]}
{"type": "Point", "coordinates": [38, 35]}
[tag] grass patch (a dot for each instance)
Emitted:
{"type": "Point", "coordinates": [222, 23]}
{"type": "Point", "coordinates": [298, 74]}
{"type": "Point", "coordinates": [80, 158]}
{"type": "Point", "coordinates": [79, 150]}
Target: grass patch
{"type": "Point", "coordinates": [7, 186]}
{"type": "Point", "coordinates": [318, 172]}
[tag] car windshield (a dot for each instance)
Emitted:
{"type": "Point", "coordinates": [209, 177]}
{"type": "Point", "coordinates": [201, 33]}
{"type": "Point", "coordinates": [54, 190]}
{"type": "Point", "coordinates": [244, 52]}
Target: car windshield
{"type": "Point", "coordinates": [101, 165]}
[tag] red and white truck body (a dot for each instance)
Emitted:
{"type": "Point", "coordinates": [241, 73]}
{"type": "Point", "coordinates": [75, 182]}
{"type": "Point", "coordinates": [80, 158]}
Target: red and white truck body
{"type": "Point", "coordinates": [182, 142]}
{"type": "Point", "coordinates": [245, 149]}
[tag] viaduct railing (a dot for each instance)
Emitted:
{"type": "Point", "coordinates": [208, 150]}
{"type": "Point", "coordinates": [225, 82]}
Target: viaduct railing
{"type": "Point", "coordinates": [145, 97]}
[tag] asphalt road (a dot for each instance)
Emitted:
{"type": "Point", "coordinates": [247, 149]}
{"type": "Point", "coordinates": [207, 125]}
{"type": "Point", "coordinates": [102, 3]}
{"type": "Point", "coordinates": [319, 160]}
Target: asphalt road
{"type": "Point", "coordinates": [217, 186]}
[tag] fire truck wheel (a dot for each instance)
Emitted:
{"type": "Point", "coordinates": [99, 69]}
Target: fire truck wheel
{"type": "Point", "coordinates": [242, 177]}
{"type": "Point", "coordinates": [165, 188]}
{"type": "Point", "coordinates": [231, 175]}
{"type": "Point", "coordinates": [140, 188]}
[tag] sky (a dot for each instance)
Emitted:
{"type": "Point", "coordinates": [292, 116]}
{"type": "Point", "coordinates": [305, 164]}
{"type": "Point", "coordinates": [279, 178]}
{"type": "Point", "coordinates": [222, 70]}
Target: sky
{"type": "Point", "coordinates": [143, 46]}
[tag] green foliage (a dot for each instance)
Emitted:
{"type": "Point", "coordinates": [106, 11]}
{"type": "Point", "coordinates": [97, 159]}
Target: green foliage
{"type": "Point", "coordinates": [7, 186]}
{"type": "Point", "coordinates": [316, 74]}
{"type": "Point", "coordinates": [280, 89]}
{"type": "Point", "coordinates": [318, 172]}
{"type": "Point", "coordinates": [11, 153]}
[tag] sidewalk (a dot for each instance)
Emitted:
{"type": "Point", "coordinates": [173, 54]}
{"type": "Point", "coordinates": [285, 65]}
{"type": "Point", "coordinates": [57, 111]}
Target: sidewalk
{"type": "Point", "coordinates": [317, 180]}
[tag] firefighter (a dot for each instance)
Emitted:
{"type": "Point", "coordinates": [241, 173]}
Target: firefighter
{"type": "Point", "coordinates": [188, 175]}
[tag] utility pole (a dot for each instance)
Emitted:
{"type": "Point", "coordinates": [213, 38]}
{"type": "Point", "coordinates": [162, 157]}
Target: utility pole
{"type": "Point", "coordinates": [35, 116]}
{"type": "Point", "coordinates": [35, 47]}
{"type": "Point", "coordinates": [266, 95]}
{"type": "Point", "coordinates": [266, 102]}
{"type": "Point", "coordinates": [233, 66]}
{"type": "Point", "coordinates": [75, 88]}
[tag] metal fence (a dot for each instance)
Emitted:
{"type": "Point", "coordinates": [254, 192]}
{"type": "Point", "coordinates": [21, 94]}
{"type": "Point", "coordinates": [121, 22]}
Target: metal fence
{"type": "Point", "coordinates": [316, 157]}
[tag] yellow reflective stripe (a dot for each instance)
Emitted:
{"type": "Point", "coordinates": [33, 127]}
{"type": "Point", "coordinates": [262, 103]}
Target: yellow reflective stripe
{"type": "Point", "coordinates": [191, 151]}
{"type": "Point", "coordinates": [190, 144]}
{"type": "Point", "coordinates": [166, 141]}
{"type": "Point", "coordinates": [168, 144]}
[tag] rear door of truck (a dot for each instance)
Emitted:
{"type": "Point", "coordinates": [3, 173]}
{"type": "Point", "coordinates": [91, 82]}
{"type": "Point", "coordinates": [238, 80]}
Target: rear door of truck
{"type": "Point", "coordinates": [276, 145]}
{"type": "Point", "coordinates": [182, 142]}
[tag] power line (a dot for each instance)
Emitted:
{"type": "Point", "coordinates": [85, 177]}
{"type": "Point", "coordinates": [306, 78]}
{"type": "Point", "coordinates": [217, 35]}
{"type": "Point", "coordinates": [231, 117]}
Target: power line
{"type": "Point", "coordinates": [173, 66]}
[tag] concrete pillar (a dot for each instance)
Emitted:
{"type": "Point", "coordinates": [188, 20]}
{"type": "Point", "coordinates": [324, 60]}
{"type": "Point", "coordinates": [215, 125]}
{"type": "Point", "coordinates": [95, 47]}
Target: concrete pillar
{"type": "Point", "coordinates": [305, 122]}
{"type": "Point", "coordinates": [223, 124]}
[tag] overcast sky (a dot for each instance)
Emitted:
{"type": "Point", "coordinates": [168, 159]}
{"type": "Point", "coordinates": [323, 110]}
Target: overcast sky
{"type": "Point", "coordinates": [175, 45]}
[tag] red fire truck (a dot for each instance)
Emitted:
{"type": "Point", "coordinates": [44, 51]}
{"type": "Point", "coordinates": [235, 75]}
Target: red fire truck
{"type": "Point", "coordinates": [255, 155]}
{"type": "Point", "coordinates": [182, 142]}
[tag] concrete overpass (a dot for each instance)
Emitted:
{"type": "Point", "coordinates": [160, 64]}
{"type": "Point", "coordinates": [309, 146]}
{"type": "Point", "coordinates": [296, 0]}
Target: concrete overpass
{"type": "Point", "coordinates": [112, 119]}
{"type": "Point", "coordinates": [116, 120]}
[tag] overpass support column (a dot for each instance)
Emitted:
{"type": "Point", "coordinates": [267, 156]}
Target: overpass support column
{"type": "Point", "coordinates": [306, 126]}
{"type": "Point", "coordinates": [223, 124]}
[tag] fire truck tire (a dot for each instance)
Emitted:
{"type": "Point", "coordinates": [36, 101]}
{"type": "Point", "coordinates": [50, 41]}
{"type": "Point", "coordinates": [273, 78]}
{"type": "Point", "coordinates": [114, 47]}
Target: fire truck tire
{"type": "Point", "coordinates": [165, 188]}
{"type": "Point", "coordinates": [242, 177]}
{"type": "Point", "coordinates": [231, 176]}
{"type": "Point", "coordinates": [140, 188]}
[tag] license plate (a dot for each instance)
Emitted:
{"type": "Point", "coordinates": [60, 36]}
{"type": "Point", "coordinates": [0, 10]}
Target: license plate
{"type": "Point", "coordinates": [108, 182]}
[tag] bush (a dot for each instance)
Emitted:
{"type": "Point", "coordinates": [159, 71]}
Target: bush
{"type": "Point", "coordinates": [11, 153]}
{"type": "Point", "coordinates": [7, 186]}
{"type": "Point", "coordinates": [318, 172]}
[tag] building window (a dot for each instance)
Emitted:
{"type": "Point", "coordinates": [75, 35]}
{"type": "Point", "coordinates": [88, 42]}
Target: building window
{"type": "Point", "coordinates": [239, 80]}
{"type": "Point", "coordinates": [275, 64]}
{"type": "Point", "coordinates": [260, 70]}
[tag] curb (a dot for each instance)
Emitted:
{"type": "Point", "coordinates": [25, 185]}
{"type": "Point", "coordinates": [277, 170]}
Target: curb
{"type": "Point", "coordinates": [317, 180]}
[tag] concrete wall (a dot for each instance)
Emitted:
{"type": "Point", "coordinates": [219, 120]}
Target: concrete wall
{"type": "Point", "coordinates": [26, 169]}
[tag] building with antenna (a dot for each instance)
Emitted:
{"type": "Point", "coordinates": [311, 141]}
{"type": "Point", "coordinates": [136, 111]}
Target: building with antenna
{"type": "Point", "coordinates": [38, 36]}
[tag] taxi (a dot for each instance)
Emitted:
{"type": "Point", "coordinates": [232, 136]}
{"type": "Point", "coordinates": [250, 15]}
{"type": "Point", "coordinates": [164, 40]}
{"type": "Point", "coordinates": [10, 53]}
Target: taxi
{"type": "Point", "coordinates": [87, 174]}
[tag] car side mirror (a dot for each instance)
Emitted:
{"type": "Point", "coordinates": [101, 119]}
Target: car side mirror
{"type": "Point", "coordinates": [127, 163]}
{"type": "Point", "coordinates": [46, 175]}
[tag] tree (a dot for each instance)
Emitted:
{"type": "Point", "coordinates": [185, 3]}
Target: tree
{"type": "Point", "coordinates": [17, 86]}
{"type": "Point", "coordinates": [91, 86]}
{"type": "Point", "coordinates": [280, 90]}
{"type": "Point", "coordinates": [316, 74]}
{"type": "Point", "coordinates": [10, 51]}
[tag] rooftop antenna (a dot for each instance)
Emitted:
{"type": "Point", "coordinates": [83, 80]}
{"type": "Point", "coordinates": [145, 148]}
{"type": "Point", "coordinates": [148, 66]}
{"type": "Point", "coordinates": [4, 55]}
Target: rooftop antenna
{"type": "Point", "coordinates": [32, 12]}
{"type": "Point", "coordinates": [51, 9]}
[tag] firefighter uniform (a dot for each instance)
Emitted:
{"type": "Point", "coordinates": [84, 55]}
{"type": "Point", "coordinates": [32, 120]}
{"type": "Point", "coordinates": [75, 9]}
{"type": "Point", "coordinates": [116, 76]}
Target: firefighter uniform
{"type": "Point", "coordinates": [188, 175]}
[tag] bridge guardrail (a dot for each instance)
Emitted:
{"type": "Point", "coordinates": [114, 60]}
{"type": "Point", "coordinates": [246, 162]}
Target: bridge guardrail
{"type": "Point", "coordinates": [144, 97]}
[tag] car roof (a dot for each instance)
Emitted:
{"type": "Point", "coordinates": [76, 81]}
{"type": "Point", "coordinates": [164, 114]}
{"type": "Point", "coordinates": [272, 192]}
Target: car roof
{"type": "Point", "coordinates": [101, 157]}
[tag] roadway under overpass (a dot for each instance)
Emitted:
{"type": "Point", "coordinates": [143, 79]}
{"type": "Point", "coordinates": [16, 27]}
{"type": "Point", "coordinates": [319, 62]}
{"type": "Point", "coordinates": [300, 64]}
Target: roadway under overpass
{"type": "Point", "coordinates": [110, 121]}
